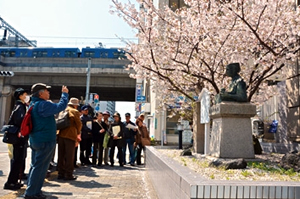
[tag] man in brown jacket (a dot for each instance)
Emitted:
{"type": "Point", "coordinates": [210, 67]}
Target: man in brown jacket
{"type": "Point", "coordinates": [66, 142]}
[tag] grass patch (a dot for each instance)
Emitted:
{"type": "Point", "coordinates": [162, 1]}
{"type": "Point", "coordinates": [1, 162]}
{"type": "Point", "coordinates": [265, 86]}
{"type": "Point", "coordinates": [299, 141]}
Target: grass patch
{"type": "Point", "coordinates": [273, 169]}
{"type": "Point", "coordinates": [246, 173]}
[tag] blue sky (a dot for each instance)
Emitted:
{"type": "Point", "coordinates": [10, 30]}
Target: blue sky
{"type": "Point", "coordinates": [68, 23]}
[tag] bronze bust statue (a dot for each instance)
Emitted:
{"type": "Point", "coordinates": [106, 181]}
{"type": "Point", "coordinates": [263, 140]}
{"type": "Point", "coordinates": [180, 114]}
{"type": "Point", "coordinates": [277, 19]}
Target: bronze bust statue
{"type": "Point", "coordinates": [237, 88]}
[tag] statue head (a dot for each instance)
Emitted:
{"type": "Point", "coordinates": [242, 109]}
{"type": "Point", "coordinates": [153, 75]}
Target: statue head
{"type": "Point", "coordinates": [233, 69]}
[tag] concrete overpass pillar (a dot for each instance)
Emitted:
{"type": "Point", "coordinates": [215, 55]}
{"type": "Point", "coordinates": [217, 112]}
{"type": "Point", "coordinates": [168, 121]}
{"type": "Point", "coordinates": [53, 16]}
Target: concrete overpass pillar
{"type": "Point", "coordinates": [5, 102]}
{"type": "Point", "coordinates": [1, 102]}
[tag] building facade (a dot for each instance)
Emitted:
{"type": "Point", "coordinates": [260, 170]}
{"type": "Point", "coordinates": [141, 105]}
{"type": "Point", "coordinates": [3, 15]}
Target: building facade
{"type": "Point", "coordinates": [109, 106]}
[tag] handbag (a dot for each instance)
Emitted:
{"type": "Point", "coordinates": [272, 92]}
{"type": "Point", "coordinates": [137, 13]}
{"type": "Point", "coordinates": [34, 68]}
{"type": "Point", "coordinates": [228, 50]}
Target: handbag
{"type": "Point", "coordinates": [63, 120]}
{"type": "Point", "coordinates": [105, 140]}
{"type": "Point", "coordinates": [10, 134]}
{"type": "Point", "coordinates": [145, 142]}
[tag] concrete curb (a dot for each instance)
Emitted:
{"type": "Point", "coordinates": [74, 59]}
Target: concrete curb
{"type": "Point", "coordinates": [171, 180]}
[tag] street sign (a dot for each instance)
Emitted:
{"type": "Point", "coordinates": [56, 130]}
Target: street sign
{"type": "Point", "coordinates": [138, 90]}
{"type": "Point", "coordinates": [141, 98]}
{"type": "Point", "coordinates": [96, 98]}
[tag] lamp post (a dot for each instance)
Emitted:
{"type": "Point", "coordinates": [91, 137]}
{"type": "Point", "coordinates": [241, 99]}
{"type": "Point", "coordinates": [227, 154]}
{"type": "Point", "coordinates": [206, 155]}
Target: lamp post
{"type": "Point", "coordinates": [88, 74]}
{"type": "Point", "coordinates": [180, 129]}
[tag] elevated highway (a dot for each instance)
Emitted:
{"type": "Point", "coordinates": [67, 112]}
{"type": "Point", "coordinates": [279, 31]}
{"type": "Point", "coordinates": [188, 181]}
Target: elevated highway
{"type": "Point", "coordinates": [109, 78]}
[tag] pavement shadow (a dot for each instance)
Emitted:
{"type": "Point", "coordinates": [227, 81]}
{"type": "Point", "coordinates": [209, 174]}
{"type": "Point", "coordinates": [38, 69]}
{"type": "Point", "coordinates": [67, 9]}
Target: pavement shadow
{"type": "Point", "coordinates": [86, 171]}
{"type": "Point", "coordinates": [122, 168]}
{"type": "Point", "coordinates": [88, 184]}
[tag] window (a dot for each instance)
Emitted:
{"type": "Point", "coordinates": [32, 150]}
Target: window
{"type": "Point", "coordinates": [119, 55]}
{"type": "Point", "coordinates": [23, 54]}
{"type": "Point", "coordinates": [175, 4]}
{"type": "Point", "coordinates": [89, 54]}
{"type": "Point", "coordinates": [103, 54]}
{"type": "Point", "coordinates": [12, 53]}
{"type": "Point", "coordinates": [55, 54]}
{"type": "Point", "coordinates": [39, 54]}
{"type": "Point", "coordinates": [172, 124]}
{"type": "Point", "coordinates": [70, 54]}
{"type": "Point", "coordinates": [8, 53]}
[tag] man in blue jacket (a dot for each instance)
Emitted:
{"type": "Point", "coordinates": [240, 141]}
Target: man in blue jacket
{"type": "Point", "coordinates": [43, 136]}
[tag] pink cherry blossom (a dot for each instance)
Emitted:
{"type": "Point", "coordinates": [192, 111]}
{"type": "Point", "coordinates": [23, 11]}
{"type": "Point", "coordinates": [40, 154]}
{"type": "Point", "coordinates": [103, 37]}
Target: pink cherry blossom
{"type": "Point", "coordinates": [184, 51]}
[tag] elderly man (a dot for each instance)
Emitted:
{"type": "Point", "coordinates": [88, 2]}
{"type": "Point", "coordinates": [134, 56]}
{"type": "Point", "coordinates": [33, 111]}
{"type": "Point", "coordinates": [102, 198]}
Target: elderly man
{"type": "Point", "coordinates": [43, 136]}
{"type": "Point", "coordinates": [67, 138]}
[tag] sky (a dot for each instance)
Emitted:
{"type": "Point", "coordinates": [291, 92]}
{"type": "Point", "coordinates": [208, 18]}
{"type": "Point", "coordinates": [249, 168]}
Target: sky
{"type": "Point", "coordinates": [76, 23]}
{"type": "Point", "coordinates": [69, 23]}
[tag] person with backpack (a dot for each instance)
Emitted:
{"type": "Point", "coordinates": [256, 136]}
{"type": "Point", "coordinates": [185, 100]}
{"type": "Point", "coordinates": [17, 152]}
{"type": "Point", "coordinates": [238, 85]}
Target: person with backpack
{"type": "Point", "coordinates": [19, 149]}
{"type": "Point", "coordinates": [42, 137]}
{"type": "Point", "coordinates": [67, 138]}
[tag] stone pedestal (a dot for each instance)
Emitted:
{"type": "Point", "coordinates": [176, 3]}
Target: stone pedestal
{"type": "Point", "coordinates": [231, 135]}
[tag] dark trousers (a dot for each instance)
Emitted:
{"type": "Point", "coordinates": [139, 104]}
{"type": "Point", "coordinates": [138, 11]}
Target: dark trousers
{"type": "Point", "coordinates": [112, 153]}
{"type": "Point", "coordinates": [16, 163]}
{"type": "Point", "coordinates": [66, 150]}
{"type": "Point", "coordinates": [75, 156]}
{"type": "Point", "coordinates": [85, 150]}
{"type": "Point", "coordinates": [22, 173]}
{"type": "Point", "coordinates": [138, 155]}
{"type": "Point", "coordinates": [98, 152]}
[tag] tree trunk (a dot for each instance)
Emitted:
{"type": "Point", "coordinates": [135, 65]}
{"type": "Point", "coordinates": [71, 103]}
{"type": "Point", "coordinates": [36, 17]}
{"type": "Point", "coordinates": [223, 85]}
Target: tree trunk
{"type": "Point", "coordinates": [198, 130]}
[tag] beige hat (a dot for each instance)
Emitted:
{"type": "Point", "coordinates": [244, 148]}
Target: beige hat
{"type": "Point", "coordinates": [74, 101]}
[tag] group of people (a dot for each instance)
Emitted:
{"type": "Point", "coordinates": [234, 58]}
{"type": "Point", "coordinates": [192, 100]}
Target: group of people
{"type": "Point", "coordinates": [97, 133]}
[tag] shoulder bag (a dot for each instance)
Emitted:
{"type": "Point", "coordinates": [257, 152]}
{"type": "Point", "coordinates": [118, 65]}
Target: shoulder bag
{"type": "Point", "coordinates": [10, 134]}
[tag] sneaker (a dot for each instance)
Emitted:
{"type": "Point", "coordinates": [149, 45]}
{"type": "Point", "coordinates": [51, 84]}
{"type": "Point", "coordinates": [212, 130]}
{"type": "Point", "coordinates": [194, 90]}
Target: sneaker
{"type": "Point", "coordinates": [11, 186]}
{"type": "Point", "coordinates": [20, 184]}
{"type": "Point", "coordinates": [40, 196]}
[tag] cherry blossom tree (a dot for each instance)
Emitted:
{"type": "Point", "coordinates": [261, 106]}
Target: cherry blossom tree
{"type": "Point", "coordinates": [184, 51]}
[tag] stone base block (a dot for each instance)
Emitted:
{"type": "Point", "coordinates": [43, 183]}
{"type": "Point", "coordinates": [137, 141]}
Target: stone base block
{"type": "Point", "coordinates": [231, 135]}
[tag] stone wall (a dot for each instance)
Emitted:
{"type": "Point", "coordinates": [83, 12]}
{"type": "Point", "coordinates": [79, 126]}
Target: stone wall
{"type": "Point", "coordinates": [173, 181]}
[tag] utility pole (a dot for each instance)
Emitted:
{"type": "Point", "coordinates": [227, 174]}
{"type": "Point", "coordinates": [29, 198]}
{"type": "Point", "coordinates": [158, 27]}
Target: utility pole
{"type": "Point", "coordinates": [88, 74]}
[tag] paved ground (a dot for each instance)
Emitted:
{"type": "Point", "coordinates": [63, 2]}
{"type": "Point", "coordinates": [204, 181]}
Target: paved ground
{"type": "Point", "coordinates": [92, 182]}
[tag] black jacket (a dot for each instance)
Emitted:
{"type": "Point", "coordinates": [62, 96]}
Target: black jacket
{"type": "Point", "coordinates": [85, 131]}
{"type": "Point", "coordinates": [17, 114]}
{"type": "Point", "coordinates": [129, 133]}
{"type": "Point", "coordinates": [119, 142]}
{"type": "Point", "coordinates": [97, 136]}
{"type": "Point", "coordinates": [17, 117]}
